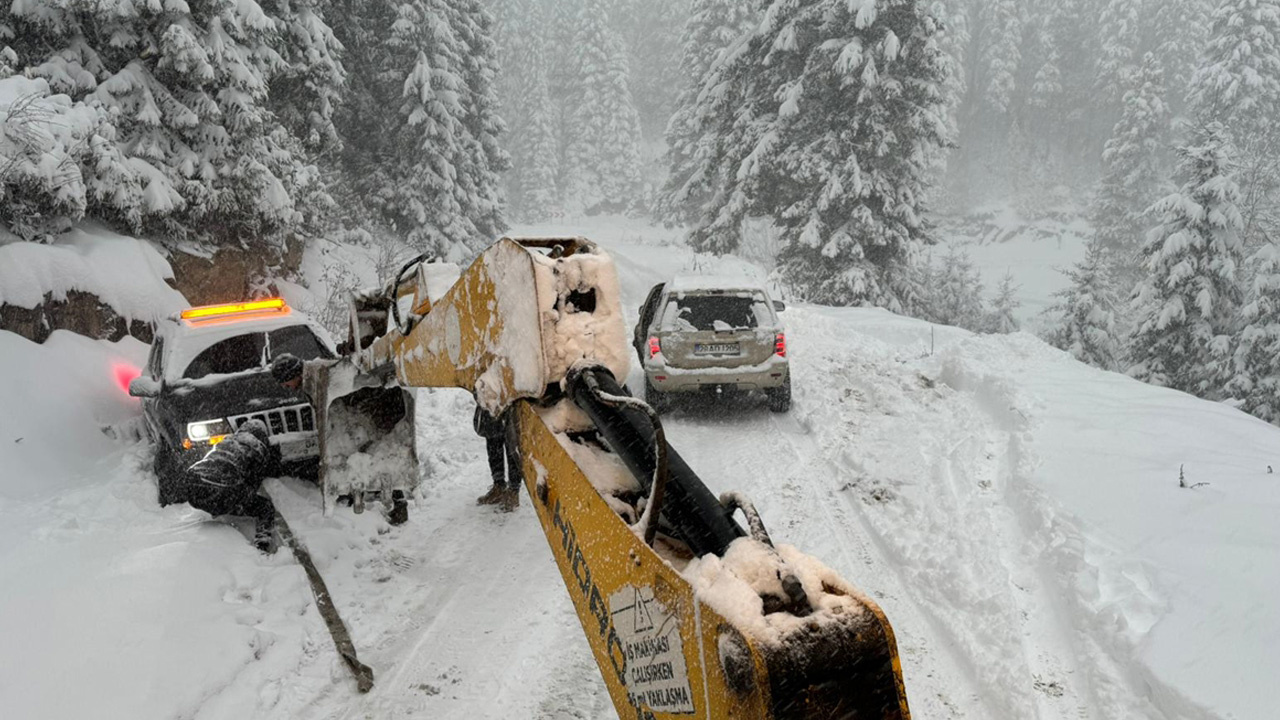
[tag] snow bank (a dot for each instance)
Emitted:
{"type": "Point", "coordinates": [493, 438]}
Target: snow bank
{"type": "Point", "coordinates": [1034, 507]}
{"type": "Point", "coordinates": [60, 401]}
{"type": "Point", "coordinates": [127, 274]}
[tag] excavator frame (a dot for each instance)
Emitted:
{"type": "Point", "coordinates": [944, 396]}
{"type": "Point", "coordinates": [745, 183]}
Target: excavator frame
{"type": "Point", "coordinates": [687, 613]}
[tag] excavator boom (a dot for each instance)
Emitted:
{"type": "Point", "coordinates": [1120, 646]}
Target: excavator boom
{"type": "Point", "coordinates": [687, 613]}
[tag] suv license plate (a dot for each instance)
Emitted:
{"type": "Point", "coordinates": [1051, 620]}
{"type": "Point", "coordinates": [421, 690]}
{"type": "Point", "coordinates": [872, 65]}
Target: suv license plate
{"type": "Point", "coordinates": [715, 349]}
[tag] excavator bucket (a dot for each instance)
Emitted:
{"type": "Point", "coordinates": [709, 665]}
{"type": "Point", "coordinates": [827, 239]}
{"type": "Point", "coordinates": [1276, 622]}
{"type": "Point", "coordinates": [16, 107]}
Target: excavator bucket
{"type": "Point", "coordinates": [687, 613]}
{"type": "Point", "coordinates": [367, 442]}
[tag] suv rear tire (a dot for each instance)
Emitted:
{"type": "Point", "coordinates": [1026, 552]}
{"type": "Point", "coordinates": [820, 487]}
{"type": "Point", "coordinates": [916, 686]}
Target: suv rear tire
{"type": "Point", "coordinates": [780, 397]}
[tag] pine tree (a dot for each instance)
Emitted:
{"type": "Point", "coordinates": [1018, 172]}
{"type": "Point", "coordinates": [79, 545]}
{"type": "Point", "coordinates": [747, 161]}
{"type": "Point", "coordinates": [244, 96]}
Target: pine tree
{"type": "Point", "coordinates": [185, 89]}
{"type": "Point", "coordinates": [603, 156]}
{"type": "Point", "coordinates": [650, 31]}
{"type": "Point", "coordinates": [537, 163]}
{"type": "Point", "coordinates": [1178, 31]}
{"type": "Point", "coordinates": [1192, 295]}
{"type": "Point", "coordinates": [524, 91]}
{"type": "Point", "coordinates": [953, 292]}
{"type": "Point", "coordinates": [1087, 310]}
{"type": "Point", "coordinates": [1121, 34]}
{"type": "Point", "coordinates": [420, 124]}
{"type": "Point", "coordinates": [1001, 54]}
{"type": "Point", "coordinates": [1238, 84]}
{"type": "Point", "coordinates": [1134, 166]}
{"type": "Point", "coordinates": [1002, 319]}
{"type": "Point", "coordinates": [1255, 381]}
{"type": "Point", "coordinates": [713, 27]}
{"type": "Point", "coordinates": [838, 111]}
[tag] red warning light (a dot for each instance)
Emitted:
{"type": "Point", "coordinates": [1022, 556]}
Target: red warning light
{"type": "Point", "coordinates": [125, 373]}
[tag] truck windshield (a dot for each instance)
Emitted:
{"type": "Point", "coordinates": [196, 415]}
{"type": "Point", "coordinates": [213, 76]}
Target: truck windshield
{"type": "Point", "coordinates": [235, 354]}
{"type": "Point", "coordinates": [298, 341]}
{"type": "Point", "coordinates": [254, 350]}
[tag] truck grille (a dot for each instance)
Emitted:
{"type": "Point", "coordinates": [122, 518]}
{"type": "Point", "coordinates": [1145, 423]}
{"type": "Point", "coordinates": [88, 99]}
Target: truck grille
{"type": "Point", "coordinates": [280, 421]}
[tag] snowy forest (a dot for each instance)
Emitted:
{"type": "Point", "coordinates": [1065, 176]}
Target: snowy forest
{"type": "Point", "coordinates": [852, 128]}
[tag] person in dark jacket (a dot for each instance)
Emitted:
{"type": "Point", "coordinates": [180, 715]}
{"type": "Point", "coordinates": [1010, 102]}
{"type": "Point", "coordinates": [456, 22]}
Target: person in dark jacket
{"type": "Point", "coordinates": [227, 481]}
{"type": "Point", "coordinates": [505, 492]}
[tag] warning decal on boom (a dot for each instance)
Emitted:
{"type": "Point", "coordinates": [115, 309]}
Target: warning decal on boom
{"type": "Point", "coordinates": [656, 675]}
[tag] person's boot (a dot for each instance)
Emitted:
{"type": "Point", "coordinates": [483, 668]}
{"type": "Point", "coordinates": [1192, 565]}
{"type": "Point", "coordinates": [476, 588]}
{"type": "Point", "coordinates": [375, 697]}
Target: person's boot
{"type": "Point", "coordinates": [264, 536]}
{"type": "Point", "coordinates": [510, 498]}
{"type": "Point", "coordinates": [493, 497]}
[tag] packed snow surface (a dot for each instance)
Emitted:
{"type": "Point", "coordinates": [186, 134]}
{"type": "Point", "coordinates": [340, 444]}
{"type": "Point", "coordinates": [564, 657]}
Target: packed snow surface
{"type": "Point", "coordinates": [127, 274]}
{"type": "Point", "coordinates": [1019, 517]}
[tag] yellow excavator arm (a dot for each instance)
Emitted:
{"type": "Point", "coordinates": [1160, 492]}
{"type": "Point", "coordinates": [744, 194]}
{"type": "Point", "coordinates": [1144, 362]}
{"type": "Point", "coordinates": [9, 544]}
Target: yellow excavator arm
{"type": "Point", "coordinates": [687, 613]}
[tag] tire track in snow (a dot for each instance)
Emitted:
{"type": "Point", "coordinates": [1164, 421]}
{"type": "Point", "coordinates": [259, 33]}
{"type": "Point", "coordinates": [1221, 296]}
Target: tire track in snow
{"type": "Point", "coordinates": [924, 464]}
{"type": "Point", "coordinates": [777, 463]}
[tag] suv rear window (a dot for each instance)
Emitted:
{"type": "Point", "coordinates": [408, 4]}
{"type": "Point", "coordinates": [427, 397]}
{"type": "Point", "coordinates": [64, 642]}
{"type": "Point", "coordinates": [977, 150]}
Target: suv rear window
{"type": "Point", "coordinates": [254, 350]}
{"type": "Point", "coordinates": [714, 312]}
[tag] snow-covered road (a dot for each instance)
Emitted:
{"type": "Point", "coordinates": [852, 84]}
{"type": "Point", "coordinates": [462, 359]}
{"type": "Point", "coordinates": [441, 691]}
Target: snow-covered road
{"type": "Point", "coordinates": [1016, 514]}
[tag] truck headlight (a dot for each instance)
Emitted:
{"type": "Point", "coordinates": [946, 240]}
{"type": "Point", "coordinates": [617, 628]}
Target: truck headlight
{"type": "Point", "coordinates": [206, 429]}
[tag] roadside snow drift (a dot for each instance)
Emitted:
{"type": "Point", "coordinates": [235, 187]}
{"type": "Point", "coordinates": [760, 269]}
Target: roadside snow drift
{"type": "Point", "coordinates": [125, 273]}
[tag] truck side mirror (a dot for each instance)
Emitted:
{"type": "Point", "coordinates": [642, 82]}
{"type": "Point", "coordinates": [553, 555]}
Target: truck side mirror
{"type": "Point", "coordinates": [779, 306]}
{"type": "Point", "coordinates": [144, 387]}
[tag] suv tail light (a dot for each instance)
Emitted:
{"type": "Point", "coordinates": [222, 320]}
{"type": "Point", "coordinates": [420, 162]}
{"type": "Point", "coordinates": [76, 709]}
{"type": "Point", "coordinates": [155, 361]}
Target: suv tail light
{"type": "Point", "coordinates": [780, 345]}
{"type": "Point", "coordinates": [655, 347]}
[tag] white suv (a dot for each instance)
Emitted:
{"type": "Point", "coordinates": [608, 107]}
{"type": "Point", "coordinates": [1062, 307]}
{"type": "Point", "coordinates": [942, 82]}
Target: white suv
{"type": "Point", "coordinates": [707, 334]}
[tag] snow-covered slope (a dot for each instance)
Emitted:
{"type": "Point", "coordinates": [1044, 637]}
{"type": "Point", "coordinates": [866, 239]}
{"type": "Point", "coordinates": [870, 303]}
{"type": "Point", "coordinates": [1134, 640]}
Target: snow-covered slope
{"type": "Point", "coordinates": [1017, 514]}
{"type": "Point", "coordinates": [126, 274]}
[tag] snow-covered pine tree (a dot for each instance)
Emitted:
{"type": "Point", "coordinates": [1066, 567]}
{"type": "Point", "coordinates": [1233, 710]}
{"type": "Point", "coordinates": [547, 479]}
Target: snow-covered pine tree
{"type": "Point", "coordinates": [419, 123]}
{"type": "Point", "coordinates": [953, 293]}
{"type": "Point", "coordinates": [1000, 54]}
{"type": "Point", "coordinates": [1178, 30]}
{"type": "Point", "coordinates": [185, 88]}
{"type": "Point", "coordinates": [1086, 311]}
{"type": "Point", "coordinates": [1189, 301]}
{"type": "Point", "coordinates": [603, 157]}
{"type": "Point", "coordinates": [712, 27]}
{"type": "Point", "coordinates": [650, 31]}
{"type": "Point", "coordinates": [479, 185]}
{"type": "Point", "coordinates": [1255, 382]}
{"type": "Point", "coordinates": [1001, 319]}
{"type": "Point", "coordinates": [1120, 27]}
{"type": "Point", "coordinates": [1238, 84]}
{"type": "Point", "coordinates": [307, 89]}
{"type": "Point", "coordinates": [838, 110]}
{"type": "Point", "coordinates": [535, 166]}
{"type": "Point", "coordinates": [1134, 167]}
{"type": "Point", "coordinates": [54, 155]}
{"type": "Point", "coordinates": [8, 61]}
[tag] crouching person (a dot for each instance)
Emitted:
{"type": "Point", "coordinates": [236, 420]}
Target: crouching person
{"type": "Point", "coordinates": [227, 481]}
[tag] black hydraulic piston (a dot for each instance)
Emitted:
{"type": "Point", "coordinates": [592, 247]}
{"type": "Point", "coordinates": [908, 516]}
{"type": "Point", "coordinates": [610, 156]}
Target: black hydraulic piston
{"type": "Point", "coordinates": [688, 508]}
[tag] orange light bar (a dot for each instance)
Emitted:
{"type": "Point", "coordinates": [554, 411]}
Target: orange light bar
{"type": "Point", "coordinates": [209, 311]}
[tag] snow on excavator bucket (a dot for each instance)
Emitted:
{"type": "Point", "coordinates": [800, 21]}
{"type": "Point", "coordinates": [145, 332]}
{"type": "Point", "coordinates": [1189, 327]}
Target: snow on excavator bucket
{"type": "Point", "coordinates": [367, 440]}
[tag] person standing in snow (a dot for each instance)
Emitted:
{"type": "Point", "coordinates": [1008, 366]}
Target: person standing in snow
{"type": "Point", "coordinates": [228, 481]}
{"type": "Point", "coordinates": [505, 492]}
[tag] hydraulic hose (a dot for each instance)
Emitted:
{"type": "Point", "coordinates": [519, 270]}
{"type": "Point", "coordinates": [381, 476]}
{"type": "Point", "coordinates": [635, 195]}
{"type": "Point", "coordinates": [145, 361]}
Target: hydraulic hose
{"type": "Point", "coordinates": [688, 508]}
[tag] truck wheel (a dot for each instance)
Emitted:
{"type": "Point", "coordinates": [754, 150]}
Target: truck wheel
{"type": "Point", "coordinates": [658, 400]}
{"type": "Point", "coordinates": [168, 475]}
{"type": "Point", "coordinates": [399, 513]}
{"type": "Point", "coordinates": [780, 397]}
